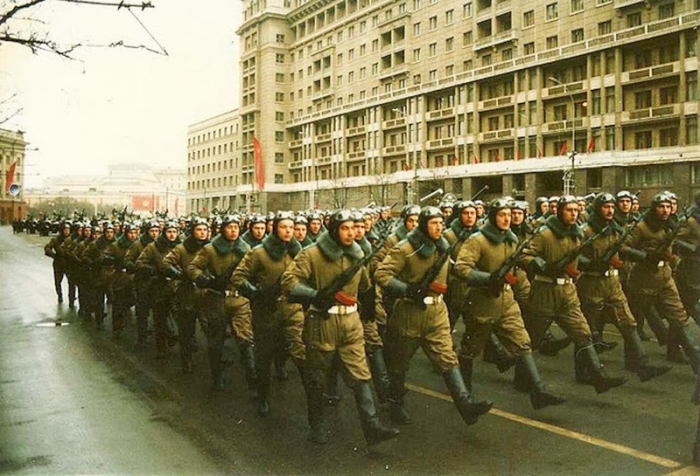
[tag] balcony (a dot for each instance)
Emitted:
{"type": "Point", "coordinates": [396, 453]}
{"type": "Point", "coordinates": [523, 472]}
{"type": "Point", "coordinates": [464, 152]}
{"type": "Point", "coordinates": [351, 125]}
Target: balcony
{"type": "Point", "coordinates": [295, 165]}
{"type": "Point", "coordinates": [496, 135]}
{"type": "Point", "coordinates": [652, 72]}
{"type": "Point", "coordinates": [323, 160]}
{"type": "Point", "coordinates": [627, 3]}
{"type": "Point", "coordinates": [448, 142]}
{"type": "Point", "coordinates": [356, 131]}
{"type": "Point", "coordinates": [323, 137]}
{"type": "Point", "coordinates": [394, 71]}
{"type": "Point", "coordinates": [394, 123]}
{"type": "Point", "coordinates": [651, 113]}
{"type": "Point", "coordinates": [441, 113]}
{"type": "Point", "coordinates": [496, 103]}
{"type": "Point", "coordinates": [565, 126]}
{"type": "Point", "coordinates": [495, 40]}
{"type": "Point", "coordinates": [295, 143]}
{"type": "Point", "coordinates": [356, 156]}
{"type": "Point", "coordinates": [395, 150]}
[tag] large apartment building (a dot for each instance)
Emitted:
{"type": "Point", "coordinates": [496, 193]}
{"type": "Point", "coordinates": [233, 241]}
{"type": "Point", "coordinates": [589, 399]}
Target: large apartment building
{"type": "Point", "coordinates": [382, 100]}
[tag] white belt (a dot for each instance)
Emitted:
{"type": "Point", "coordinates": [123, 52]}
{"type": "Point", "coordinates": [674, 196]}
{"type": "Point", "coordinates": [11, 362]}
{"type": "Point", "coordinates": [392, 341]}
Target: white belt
{"type": "Point", "coordinates": [607, 273]}
{"type": "Point", "coordinates": [229, 293]}
{"type": "Point", "coordinates": [661, 264]}
{"type": "Point", "coordinates": [547, 279]}
{"type": "Point", "coordinates": [432, 299]}
{"type": "Point", "coordinates": [342, 310]}
{"type": "Point", "coordinates": [612, 272]}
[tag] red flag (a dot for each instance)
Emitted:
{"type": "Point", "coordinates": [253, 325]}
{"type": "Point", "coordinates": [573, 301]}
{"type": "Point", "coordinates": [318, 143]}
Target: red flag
{"type": "Point", "coordinates": [176, 204]}
{"type": "Point", "coordinates": [406, 166]}
{"type": "Point", "coordinates": [259, 177]}
{"type": "Point", "coordinates": [518, 156]}
{"type": "Point", "coordinates": [454, 160]}
{"type": "Point", "coordinates": [497, 158]}
{"type": "Point", "coordinates": [475, 159]}
{"type": "Point", "coordinates": [591, 146]}
{"type": "Point", "coordinates": [10, 178]}
{"type": "Point", "coordinates": [563, 149]}
{"type": "Point", "coordinates": [539, 152]}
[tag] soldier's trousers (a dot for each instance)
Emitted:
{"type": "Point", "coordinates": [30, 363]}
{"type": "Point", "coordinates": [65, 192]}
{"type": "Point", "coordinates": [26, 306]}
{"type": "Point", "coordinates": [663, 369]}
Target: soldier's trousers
{"type": "Point", "coordinates": [293, 329]}
{"type": "Point", "coordinates": [510, 329]}
{"type": "Point", "coordinates": [269, 341]}
{"type": "Point", "coordinates": [59, 271]}
{"type": "Point", "coordinates": [688, 282]}
{"type": "Point", "coordinates": [186, 324]}
{"type": "Point", "coordinates": [144, 305]}
{"type": "Point", "coordinates": [558, 303]}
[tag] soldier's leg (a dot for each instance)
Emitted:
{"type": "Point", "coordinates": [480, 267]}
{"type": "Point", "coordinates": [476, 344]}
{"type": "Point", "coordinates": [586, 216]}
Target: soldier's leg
{"type": "Point", "coordinates": [374, 348]}
{"type": "Point", "coordinates": [143, 308]}
{"type": "Point", "coordinates": [186, 325]}
{"type": "Point", "coordinates": [57, 279]}
{"type": "Point", "coordinates": [643, 308]}
{"type": "Point", "coordinates": [399, 351]}
{"type": "Point", "coordinates": [593, 312]}
{"type": "Point", "coordinates": [242, 325]}
{"type": "Point", "coordinates": [670, 306]}
{"type": "Point", "coordinates": [71, 290]}
{"type": "Point", "coordinates": [160, 323]}
{"type": "Point", "coordinates": [215, 329]}
{"type": "Point", "coordinates": [100, 294]}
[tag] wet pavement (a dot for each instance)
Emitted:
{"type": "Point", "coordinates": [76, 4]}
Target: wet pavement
{"type": "Point", "coordinates": [73, 400]}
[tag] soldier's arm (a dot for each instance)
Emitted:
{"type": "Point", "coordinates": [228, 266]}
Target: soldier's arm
{"type": "Point", "coordinates": [466, 265]}
{"type": "Point", "coordinates": [49, 248]}
{"type": "Point", "coordinates": [297, 283]}
{"type": "Point", "coordinates": [387, 274]}
{"type": "Point", "coordinates": [633, 250]}
{"type": "Point", "coordinates": [243, 275]}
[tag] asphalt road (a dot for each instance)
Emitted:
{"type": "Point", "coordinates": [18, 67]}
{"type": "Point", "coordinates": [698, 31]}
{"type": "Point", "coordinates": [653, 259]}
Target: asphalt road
{"type": "Point", "coordinates": [75, 401]}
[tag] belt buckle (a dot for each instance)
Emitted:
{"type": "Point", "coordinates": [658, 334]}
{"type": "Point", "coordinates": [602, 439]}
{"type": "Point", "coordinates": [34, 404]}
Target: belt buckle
{"type": "Point", "coordinates": [661, 264]}
{"type": "Point", "coordinates": [506, 286]}
{"type": "Point", "coordinates": [612, 272]}
{"type": "Point", "coordinates": [428, 300]}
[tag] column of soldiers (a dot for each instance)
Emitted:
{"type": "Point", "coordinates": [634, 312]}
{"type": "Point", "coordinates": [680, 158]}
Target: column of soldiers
{"type": "Point", "coordinates": [355, 293]}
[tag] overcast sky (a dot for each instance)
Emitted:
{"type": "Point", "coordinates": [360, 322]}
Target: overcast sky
{"type": "Point", "coordinates": [120, 104]}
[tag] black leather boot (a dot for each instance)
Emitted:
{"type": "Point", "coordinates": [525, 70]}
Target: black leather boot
{"type": "Point", "coordinates": [247, 352]}
{"type": "Point", "coordinates": [690, 345]}
{"type": "Point", "coordinates": [550, 345]}
{"type": "Point", "coordinates": [599, 378]}
{"type": "Point", "coordinates": [496, 353]}
{"type": "Point", "coordinates": [397, 391]}
{"type": "Point", "coordinates": [372, 428]}
{"type": "Point", "coordinates": [539, 397]}
{"type": "Point", "coordinates": [468, 409]}
{"type": "Point", "coordinates": [636, 359]}
{"type": "Point", "coordinates": [380, 375]}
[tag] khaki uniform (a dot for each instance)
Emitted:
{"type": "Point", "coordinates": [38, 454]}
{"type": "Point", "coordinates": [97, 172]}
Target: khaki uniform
{"type": "Point", "coordinates": [101, 271]}
{"type": "Point", "coordinates": [490, 313]}
{"type": "Point", "coordinates": [142, 286]}
{"type": "Point", "coordinates": [60, 266]}
{"type": "Point", "coordinates": [121, 285]}
{"type": "Point", "coordinates": [688, 272]}
{"type": "Point", "coordinates": [457, 297]}
{"type": "Point", "coordinates": [380, 314]}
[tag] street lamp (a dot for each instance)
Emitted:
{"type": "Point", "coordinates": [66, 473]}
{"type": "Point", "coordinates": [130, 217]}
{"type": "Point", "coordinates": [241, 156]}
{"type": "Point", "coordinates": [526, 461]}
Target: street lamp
{"type": "Point", "coordinates": [568, 178]}
{"type": "Point", "coordinates": [413, 139]}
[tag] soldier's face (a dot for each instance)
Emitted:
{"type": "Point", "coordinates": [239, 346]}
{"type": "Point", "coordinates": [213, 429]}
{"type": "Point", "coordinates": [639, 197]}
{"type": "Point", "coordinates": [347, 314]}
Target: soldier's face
{"type": "Point", "coordinates": [503, 218]}
{"type": "Point", "coordinates": [87, 233]}
{"type": "Point", "coordinates": [269, 226]}
{"type": "Point", "coordinates": [635, 207]}
{"type": "Point", "coordinates": [65, 232]}
{"type": "Point", "coordinates": [132, 234]}
{"type": "Point", "coordinates": [625, 205]}
{"type": "Point", "coordinates": [607, 211]}
{"type": "Point", "coordinates": [96, 234]}
{"type": "Point", "coordinates": [447, 212]}
{"type": "Point", "coordinates": [285, 230]}
{"type": "Point", "coordinates": [663, 210]}
{"type": "Point", "coordinates": [544, 207]}
{"type": "Point", "coordinates": [258, 231]}
{"type": "Point", "coordinates": [517, 216]}
{"type": "Point", "coordinates": [385, 215]}
{"type": "Point", "coordinates": [360, 230]}
{"type": "Point", "coordinates": [411, 222]}
{"type": "Point", "coordinates": [231, 231]}
{"type": "Point", "coordinates": [368, 223]}
{"type": "Point", "coordinates": [674, 207]}
{"type": "Point", "coordinates": [569, 214]}
{"type": "Point", "coordinates": [154, 232]}
{"type": "Point", "coordinates": [479, 210]}
{"type": "Point", "coordinates": [171, 234]}
{"type": "Point", "coordinates": [315, 226]}
{"type": "Point", "coordinates": [346, 233]}
{"type": "Point", "coordinates": [300, 232]}
{"type": "Point", "coordinates": [468, 217]}
{"type": "Point", "coordinates": [200, 232]}
{"type": "Point", "coordinates": [109, 233]}
{"type": "Point", "coordinates": [553, 208]}
{"type": "Point", "coordinates": [434, 228]}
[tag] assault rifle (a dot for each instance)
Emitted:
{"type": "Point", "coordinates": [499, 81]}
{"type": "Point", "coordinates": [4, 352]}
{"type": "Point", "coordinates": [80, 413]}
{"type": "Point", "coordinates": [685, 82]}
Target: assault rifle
{"type": "Point", "coordinates": [617, 246]}
{"type": "Point", "coordinates": [498, 277]}
{"type": "Point", "coordinates": [668, 239]}
{"type": "Point", "coordinates": [483, 189]}
{"type": "Point", "coordinates": [419, 290]}
{"type": "Point", "coordinates": [556, 268]}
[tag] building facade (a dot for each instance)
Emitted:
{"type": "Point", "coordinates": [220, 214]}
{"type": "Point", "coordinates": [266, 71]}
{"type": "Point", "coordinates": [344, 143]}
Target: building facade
{"type": "Point", "coordinates": [12, 154]}
{"type": "Point", "coordinates": [355, 101]}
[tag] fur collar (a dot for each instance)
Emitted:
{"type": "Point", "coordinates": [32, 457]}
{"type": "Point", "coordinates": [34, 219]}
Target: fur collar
{"type": "Point", "coordinates": [124, 243]}
{"type": "Point", "coordinates": [401, 232]}
{"type": "Point", "coordinates": [277, 248]}
{"type": "Point", "coordinates": [460, 230]}
{"type": "Point", "coordinates": [365, 245]}
{"type": "Point", "coordinates": [494, 235]}
{"type": "Point", "coordinates": [192, 245]}
{"type": "Point", "coordinates": [424, 246]}
{"type": "Point", "coordinates": [561, 231]}
{"type": "Point", "coordinates": [597, 222]}
{"type": "Point", "coordinates": [333, 251]}
{"type": "Point", "coordinates": [223, 247]}
{"type": "Point", "coordinates": [145, 239]}
{"type": "Point", "coordinates": [164, 245]}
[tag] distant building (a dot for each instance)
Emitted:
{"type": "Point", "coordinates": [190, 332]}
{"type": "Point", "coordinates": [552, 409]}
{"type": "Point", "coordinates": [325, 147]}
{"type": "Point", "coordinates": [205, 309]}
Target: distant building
{"type": "Point", "coordinates": [140, 188]}
{"type": "Point", "coordinates": [12, 150]}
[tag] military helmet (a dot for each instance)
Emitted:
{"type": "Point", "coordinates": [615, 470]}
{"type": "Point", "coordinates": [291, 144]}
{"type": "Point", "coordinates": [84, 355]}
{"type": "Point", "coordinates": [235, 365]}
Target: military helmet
{"type": "Point", "coordinates": [300, 219]}
{"type": "Point", "coordinates": [555, 198]}
{"type": "Point", "coordinates": [197, 221]}
{"type": "Point", "coordinates": [314, 215]}
{"type": "Point", "coordinates": [153, 224]}
{"type": "Point", "coordinates": [624, 194]}
{"type": "Point", "coordinates": [108, 225]}
{"type": "Point", "coordinates": [357, 216]}
{"type": "Point", "coordinates": [563, 201]}
{"type": "Point", "coordinates": [460, 205]}
{"type": "Point", "coordinates": [603, 198]}
{"type": "Point", "coordinates": [230, 219]}
{"type": "Point", "coordinates": [426, 214]}
{"type": "Point", "coordinates": [496, 205]}
{"type": "Point", "coordinates": [660, 198]}
{"type": "Point", "coordinates": [270, 216]}
{"type": "Point", "coordinates": [337, 218]}
{"type": "Point", "coordinates": [519, 205]}
{"type": "Point", "coordinates": [281, 216]}
{"type": "Point", "coordinates": [171, 224]}
{"type": "Point", "coordinates": [409, 210]}
{"type": "Point", "coordinates": [255, 219]}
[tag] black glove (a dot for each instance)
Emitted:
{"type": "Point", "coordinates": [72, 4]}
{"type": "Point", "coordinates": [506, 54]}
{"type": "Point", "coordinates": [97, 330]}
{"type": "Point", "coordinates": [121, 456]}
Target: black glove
{"type": "Point", "coordinates": [495, 285]}
{"type": "Point", "coordinates": [653, 257]}
{"type": "Point", "coordinates": [323, 301]}
{"type": "Point", "coordinates": [203, 281]}
{"type": "Point", "coordinates": [173, 272]}
{"type": "Point", "coordinates": [220, 283]}
{"type": "Point", "coordinates": [249, 291]}
{"type": "Point", "coordinates": [535, 267]}
{"type": "Point", "coordinates": [417, 293]}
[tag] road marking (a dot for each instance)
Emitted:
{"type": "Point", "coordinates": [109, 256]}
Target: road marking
{"type": "Point", "coordinates": [687, 471]}
{"type": "Point", "coordinates": [666, 463]}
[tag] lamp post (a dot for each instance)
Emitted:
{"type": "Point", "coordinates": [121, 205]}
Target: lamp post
{"type": "Point", "coordinates": [413, 139]}
{"type": "Point", "coordinates": [568, 178]}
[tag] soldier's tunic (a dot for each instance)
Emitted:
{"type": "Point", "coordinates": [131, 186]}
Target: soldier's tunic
{"type": "Point", "coordinates": [409, 325]}
{"type": "Point", "coordinates": [81, 273]}
{"type": "Point", "coordinates": [52, 250]}
{"type": "Point", "coordinates": [65, 251]}
{"type": "Point", "coordinates": [262, 267]}
{"type": "Point", "coordinates": [148, 265]}
{"type": "Point", "coordinates": [485, 252]}
{"type": "Point", "coordinates": [554, 298]}
{"type": "Point", "coordinates": [121, 284]}
{"type": "Point", "coordinates": [457, 297]}
{"type": "Point", "coordinates": [101, 270]}
{"type": "Point", "coordinates": [142, 285]}
{"type": "Point", "coordinates": [222, 308]}
{"type": "Point", "coordinates": [184, 304]}
{"type": "Point", "coordinates": [688, 272]}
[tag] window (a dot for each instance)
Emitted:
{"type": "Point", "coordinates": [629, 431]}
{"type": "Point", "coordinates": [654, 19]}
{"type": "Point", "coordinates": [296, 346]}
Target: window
{"type": "Point", "coordinates": [467, 38]}
{"type": "Point", "coordinates": [605, 27]}
{"type": "Point", "coordinates": [279, 178]}
{"type": "Point", "coordinates": [279, 158]}
{"type": "Point", "coordinates": [529, 49]}
{"type": "Point", "coordinates": [691, 136]}
{"type": "Point", "coordinates": [668, 53]}
{"type": "Point", "coordinates": [449, 70]}
{"type": "Point", "coordinates": [642, 99]}
{"type": "Point", "coordinates": [577, 35]}
{"type": "Point", "coordinates": [610, 99]}
{"type": "Point", "coordinates": [610, 138]}
{"type": "Point", "coordinates": [432, 75]}
{"type": "Point", "coordinates": [351, 76]}
{"type": "Point", "coordinates": [449, 44]}
{"type": "Point", "coordinates": [467, 10]}
{"type": "Point", "coordinates": [279, 38]}
{"type": "Point", "coordinates": [375, 45]}
{"type": "Point", "coordinates": [416, 29]}
{"type": "Point", "coordinates": [351, 32]}
{"type": "Point", "coordinates": [432, 23]}
{"type": "Point", "coordinates": [363, 50]}
{"type": "Point", "coordinates": [375, 69]}
{"type": "Point", "coordinates": [363, 72]}
{"type": "Point", "coordinates": [668, 95]}
{"type": "Point", "coordinates": [666, 11]}
{"type": "Point", "coordinates": [279, 97]}
{"type": "Point", "coordinates": [339, 80]}
{"type": "Point", "coordinates": [493, 123]}
{"type": "Point", "coordinates": [279, 58]}
{"type": "Point", "coordinates": [668, 137]}
{"type": "Point", "coordinates": [642, 140]}
{"type": "Point", "coordinates": [634, 19]}
{"type": "Point", "coordinates": [552, 11]}
{"type": "Point", "coordinates": [560, 112]}
{"type": "Point", "coordinates": [416, 55]}
{"type": "Point", "coordinates": [507, 54]}
{"type": "Point", "coordinates": [279, 77]}
{"type": "Point", "coordinates": [642, 59]}
{"type": "Point", "coordinates": [595, 99]}
{"type": "Point", "coordinates": [576, 6]}
{"type": "Point", "coordinates": [351, 54]}
{"type": "Point", "coordinates": [279, 116]}
{"type": "Point", "coordinates": [529, 18]}
{"type": "Point", "coordinates": [279, 136]}
{"type": "Point", "coordinates": [552, 42]}
{"type": "Point", "coordinates": [486, 60]}
{"type": "Point", "coordinates": [449, 17]}
{"type": "Point", "coordinates": [432, 50]}
{"type": "Point", "coordinates": [691, 85]}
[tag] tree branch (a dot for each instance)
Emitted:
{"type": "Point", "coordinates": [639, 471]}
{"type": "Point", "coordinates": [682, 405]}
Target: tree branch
{"type": "Point", "coordinates": [17, 8]}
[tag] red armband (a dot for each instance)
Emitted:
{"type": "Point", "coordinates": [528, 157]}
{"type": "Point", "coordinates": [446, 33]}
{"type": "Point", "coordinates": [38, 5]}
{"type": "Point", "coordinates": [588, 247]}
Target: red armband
{"type": "Point", "coordinates": [344, 299]}
{"type": "Point", "coordinates": [571, 271]}
{"type": "Point", "coordinates": [511, 279]}
{"type": "Point", "coordinates": [616, 263]}
{"type": "Point", "coordinates": [438, 287]}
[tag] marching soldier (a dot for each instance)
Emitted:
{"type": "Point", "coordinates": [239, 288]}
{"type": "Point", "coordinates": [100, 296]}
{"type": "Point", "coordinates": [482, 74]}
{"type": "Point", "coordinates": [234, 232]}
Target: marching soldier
{"type": "Point", "coordinates": [148, 266]}
{"type": "Point", "coordinates": [101, 268]}
{"type": "Point", "coordinates": [651, 281]}
{"type": "Point", "coordinates": [315, 225]}
{"type": "Point", "coordinates": [553, 295]}
{"type": "Point", "coordinates": [300, 231]}
{"type": "Point", "coordinates": [221, 306]}
{"type": "Point", "coordinates": [81, 270]}
{"type": "Point", "coordinates": [121, 283]}
{"type": "Point", "coordinates": [600, 291]}
{"type": "Point", "coordinates": [257, 277]}
{"type": "Point", "coordinates": [175, 265]}
{"type": "Point", "coordinates": [485, 262]}
{"type": "Point", "coordinates": [328, 277]}
{"type": "Point", "coordinates": [688, 272]}
{"type": "Point", "coordinates": [52, 250]}
{"type": "Point", "coordinates": [415, 272]}
{"type": "Point", "coordinates": [256, 231]}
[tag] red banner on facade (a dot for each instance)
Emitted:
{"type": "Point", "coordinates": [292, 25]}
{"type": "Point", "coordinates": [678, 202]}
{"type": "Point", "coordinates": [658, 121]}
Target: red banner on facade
{"type": "Point", "coordinates": [10, 178]}
{"type": "Point", "coordinates": [259, 174]}
{"type": "Point", "coordinates": [145, 202]}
